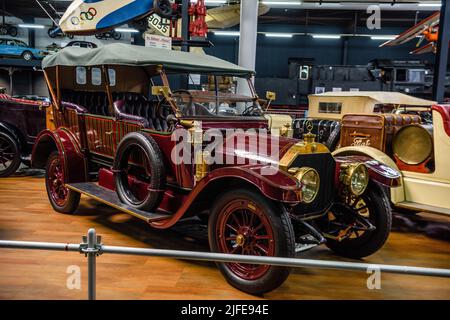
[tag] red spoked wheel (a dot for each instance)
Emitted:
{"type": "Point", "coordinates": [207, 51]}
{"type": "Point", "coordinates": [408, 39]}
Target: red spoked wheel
{"type": "Point", "coordinates": [244, 222]}
{"type": "Point", "coordinates": [244, 229]}
{"type": "Point", "coordinates": [61, 198]}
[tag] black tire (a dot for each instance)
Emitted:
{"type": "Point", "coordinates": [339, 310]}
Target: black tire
{"type": "Point", "coordinates": [27, 55]}
{"type": "Point", "coordinates": [163, 8]}
{"type": "Point", "coordinates": [9, 154]}
{"type": "Point", "coordinates": [71, 200]}
{"type": "Point", "coordinates": [116, 35]}
{"type": "Point", "coordinates": [282, 236]}
{"type": "Point", "coordinates": [99, 36]}
{"type": "Point", "coordinates": [51, 34]}
{"type": "Point", "coordinates": [371, 241]}
{"type": "Point", "coordinates": [3, 30]}
{"type": "Point", "coordinates": [157, 177]}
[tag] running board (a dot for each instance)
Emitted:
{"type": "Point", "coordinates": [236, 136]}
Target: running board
{"type": "Point", "coordinates": [110, 198]}
{"type": "Point", "coordinates": [423, 207]}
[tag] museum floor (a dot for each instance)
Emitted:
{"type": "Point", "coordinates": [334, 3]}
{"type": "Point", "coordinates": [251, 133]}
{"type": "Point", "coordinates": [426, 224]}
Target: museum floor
{"type": "Point", "coordinates": [25, 274]}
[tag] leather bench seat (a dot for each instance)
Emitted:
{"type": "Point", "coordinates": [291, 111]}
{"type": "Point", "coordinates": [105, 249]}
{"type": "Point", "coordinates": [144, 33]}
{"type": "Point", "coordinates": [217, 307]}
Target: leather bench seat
{"type": "Point", "coordinates": [93, 102]}
{"type": "Point", "coordinates": [128, 103]}
{"type": "Point", "coordinates": [138, 105]}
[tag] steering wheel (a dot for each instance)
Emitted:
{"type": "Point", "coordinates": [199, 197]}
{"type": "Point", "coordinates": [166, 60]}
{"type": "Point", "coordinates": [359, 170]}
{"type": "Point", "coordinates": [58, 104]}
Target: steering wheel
{"type": "Point", "coordinates": [253, 110]}
{"type": "Point", "coordinates": [189, 108]}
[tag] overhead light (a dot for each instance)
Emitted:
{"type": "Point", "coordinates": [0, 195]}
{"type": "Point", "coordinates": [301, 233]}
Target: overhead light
{"type": "Point", "coordinates": [278, 35]}
{"type": "Point", "coordinates": [383, 37]}
{"type": "Point", "coordinates": [282, 3]}
{"type": "Point", "coordinates": [31, 26]}
{"type": "Point", "coordinates": [227, 33]}
{"type": "Point", "coordinates": [429, 4]}
{"type": "Point", "coordinates": [130, 30]}
{"type": "Point", "coordinates": [213, 1]}
{"type": "Point", "coordinates": [326, 36]}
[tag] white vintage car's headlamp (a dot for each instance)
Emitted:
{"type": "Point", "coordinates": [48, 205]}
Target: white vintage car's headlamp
{"type": "Point", "coordinates": [310, 181]}
{"type": "Point", "coordinates": [356, 177]}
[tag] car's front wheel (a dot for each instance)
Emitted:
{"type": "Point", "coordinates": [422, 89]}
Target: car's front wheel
{"type": "Point", "coordinates": [9, 155]}
{"type": "Point", "coordinates": [244, 222]}
{"type": "Point", "coordinates": [27, 55]}
{"type": "Point", "coordinates": [61, 198]}
{"type": "Point", "coordinates": [359, 239]}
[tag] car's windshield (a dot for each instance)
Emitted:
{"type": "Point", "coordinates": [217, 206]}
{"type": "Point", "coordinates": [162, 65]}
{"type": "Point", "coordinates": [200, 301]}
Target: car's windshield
{"type": "Point", "coordinates": [213, 96]}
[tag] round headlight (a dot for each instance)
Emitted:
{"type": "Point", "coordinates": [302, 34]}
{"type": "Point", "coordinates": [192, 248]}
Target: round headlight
{"type": "Point", "coordinates": [359, 178]}
{"type": "Point", "coordinates": [310, 181]}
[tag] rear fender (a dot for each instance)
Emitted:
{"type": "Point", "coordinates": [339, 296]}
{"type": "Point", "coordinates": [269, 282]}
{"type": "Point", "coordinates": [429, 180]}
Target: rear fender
{"type": "Point", "coordinates": [62, 140]}
{"type": "Point", "coordinates": [381, 168]}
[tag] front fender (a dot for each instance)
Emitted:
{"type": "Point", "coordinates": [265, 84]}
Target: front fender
{"type": "Point", "coordinates": [62, 140]}
{"type": "Point", "coordinates": [380, 165]}
{"type": "Point", "coordinates": [273, 183]}
{"type": "Point", "coordinates": [278, 186]}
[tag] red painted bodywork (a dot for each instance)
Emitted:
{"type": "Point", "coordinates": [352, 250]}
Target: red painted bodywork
{"type": "Point", "coordinates": [74, 161]}
{"type": "Point", "coordinates": [444, 111]}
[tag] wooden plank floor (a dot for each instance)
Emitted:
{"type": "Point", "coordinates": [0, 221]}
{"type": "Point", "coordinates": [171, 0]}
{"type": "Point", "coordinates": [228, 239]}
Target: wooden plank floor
{"type": "Point", "coordinates": [25, 214]}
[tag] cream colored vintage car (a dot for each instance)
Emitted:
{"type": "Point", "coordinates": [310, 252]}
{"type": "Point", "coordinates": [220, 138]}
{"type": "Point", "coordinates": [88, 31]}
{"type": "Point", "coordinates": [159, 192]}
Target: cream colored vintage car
{"type": "Point", "coordinates": [388, 127]}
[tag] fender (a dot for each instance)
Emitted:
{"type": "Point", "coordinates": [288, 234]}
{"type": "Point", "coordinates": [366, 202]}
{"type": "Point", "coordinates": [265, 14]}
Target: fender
{"type": "Point", "coordinates": [397, 191]}
{"type": "Point", "coordinates": [279, 186]}
{"type": "Point", "coordinates": [74, 161]}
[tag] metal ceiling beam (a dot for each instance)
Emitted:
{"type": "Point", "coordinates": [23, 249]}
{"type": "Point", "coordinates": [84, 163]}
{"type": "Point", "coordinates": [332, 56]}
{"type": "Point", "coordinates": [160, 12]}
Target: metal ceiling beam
{"type": "Point", "coordinates": [441, 60]}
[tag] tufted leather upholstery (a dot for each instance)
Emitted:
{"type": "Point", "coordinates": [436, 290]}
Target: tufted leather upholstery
{"type": "Point", "coordinates": [93, 102]}
{"type": "Point", "coordinates": [444, 111]}
{"type": "Point", "coordinates": [127, 103]}
{"type": "Point", "coordinates": [137, 105]}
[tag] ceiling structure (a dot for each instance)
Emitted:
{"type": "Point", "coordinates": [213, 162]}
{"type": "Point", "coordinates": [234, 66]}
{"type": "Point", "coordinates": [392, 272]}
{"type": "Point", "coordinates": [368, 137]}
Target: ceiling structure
{"type": "Point", "coordinates": [342, 13]}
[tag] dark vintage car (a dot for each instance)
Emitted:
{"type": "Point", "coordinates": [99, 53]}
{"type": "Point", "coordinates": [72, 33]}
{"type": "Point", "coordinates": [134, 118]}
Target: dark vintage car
{"type": "Point", "coordinates": [21, 120]}
{"type": "Point", "coordinates": [151, 133]}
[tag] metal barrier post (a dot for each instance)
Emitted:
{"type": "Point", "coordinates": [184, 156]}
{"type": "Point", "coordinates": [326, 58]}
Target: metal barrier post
{"type": "Point", "coordinates": [91, 247]}
{"type": "Point", "coordinates": [92, 257]}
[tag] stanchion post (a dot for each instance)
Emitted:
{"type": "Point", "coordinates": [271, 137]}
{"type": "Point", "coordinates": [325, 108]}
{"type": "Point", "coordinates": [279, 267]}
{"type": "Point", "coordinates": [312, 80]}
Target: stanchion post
{"type": "Point", "coordinates": [92, 257]}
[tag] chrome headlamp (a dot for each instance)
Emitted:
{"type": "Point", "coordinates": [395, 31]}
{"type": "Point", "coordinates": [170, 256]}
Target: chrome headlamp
{"type": "Point", "coordinates": [356, 177]}
{"type": "Point", "coordinates": [310, 181]}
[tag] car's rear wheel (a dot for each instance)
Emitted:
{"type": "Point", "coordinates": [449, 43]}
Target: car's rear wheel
{"type": "Point", "coordinates": [357, 240]}
{"type": "Point", "coordinates": [9, 155]}
{"type": "Point", "coordinates": [61, 198]}
{"type": "Point", "coordinates": [244, 222]}
{"type": "Point", "coordinates": [27, 55]}
{"type": "Point", "coordinates": [116, 35]}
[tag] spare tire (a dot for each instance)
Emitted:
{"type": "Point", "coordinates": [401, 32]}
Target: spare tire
{"type": "Point", "coordinates": [139, 173]}
{"type": "Point", "coordinates": [163, 8]}
{"type": "Point", "coordinates": [413, 144]}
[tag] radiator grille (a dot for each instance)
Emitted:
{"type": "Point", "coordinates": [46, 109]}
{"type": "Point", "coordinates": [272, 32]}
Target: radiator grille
{"type": "Point", "coordinates": [325, 166]}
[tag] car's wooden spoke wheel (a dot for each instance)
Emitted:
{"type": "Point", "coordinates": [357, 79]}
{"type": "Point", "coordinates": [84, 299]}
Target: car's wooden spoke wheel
{"type": "Point", "coordinates": [244, 222]}
{"type": "Point", "coordinates": [9, 155]}
{"type": "Point", "coordinates": [6, 153]}
{"type": "Point", "coordinates": [243, 229]}
{"type": "Point", "coordinates": [61, 198]}
{"type": "Point", "coordinates": [58, 191]}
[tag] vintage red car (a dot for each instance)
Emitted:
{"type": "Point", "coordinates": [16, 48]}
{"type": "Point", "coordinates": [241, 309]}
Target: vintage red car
{"type": "Point", "coordinates": [121, 114]}
{"type": "Point", "coordinates": [21, 120]}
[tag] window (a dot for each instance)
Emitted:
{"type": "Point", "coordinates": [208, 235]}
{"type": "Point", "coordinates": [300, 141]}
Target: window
{"type": "Point", "coordinates": [96, 76]}
{"type": "Point", "coordinates": [330, 107]}
{"type": "Point", "coordinates": [81, 75]}
{"type": "Point", "coordinates": [304, 72]}
{"type": "Point", "coordinates": [112, 77]}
